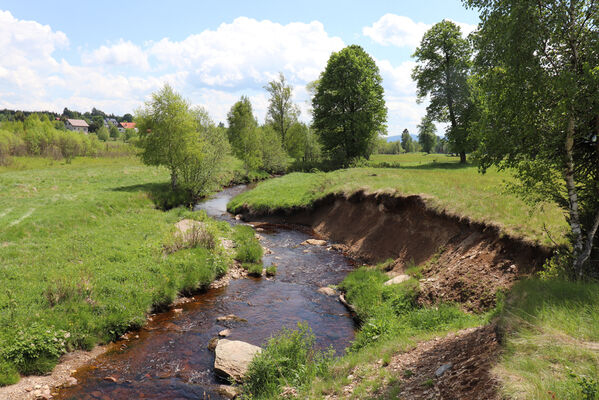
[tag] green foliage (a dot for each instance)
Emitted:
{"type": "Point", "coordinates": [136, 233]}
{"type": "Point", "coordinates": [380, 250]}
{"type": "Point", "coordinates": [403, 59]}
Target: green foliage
{"type": "Point", "coordinates": [35, 348]}
{"type": "Point", "coordinates": [349, 107]}
{"type": "Point", "coordinates": [448, 186]}
{"type": "Point", "coordinates": [393, 311]}
{"type": "Point", "coordinates": [167, 131]}
{"type": "Point", "coordinates": [8, 373]}
{"type": "Point", "coordinates": [271, 270]}
{"type": "Point", "coordinates": [406, 142]}
{"type": "Point", "coordinates": [184, 140]}
{"type": "Point", "coordinates": [441, 75]}
{"type": "Point", "coordinates": [539, 100]}
{"type": "Point", "coordinates": [247, 247]}
{"type": "Point", "coordinates": [243, 135]}
{"type": "Point", "coordinates": [102, 133]}
{"type": "Point", "coordinates": [114, 132]}
{"type": "Point", "coordinates": [426, 134]}
{"type": "Point", "coordinates": [103, 265]}
{"type": "Point", "coordinates": [549, 329]}
{"type": "Point", "coordinates": [274, 158]}
{"type": "Point", "coordinates": [289, 359]}
{"type": "Point", "coordinates": [381, 146]}
{"type": "Point", "coordinates": [253, 269]}
{"type": "Point", "coordinates": [281, 113]}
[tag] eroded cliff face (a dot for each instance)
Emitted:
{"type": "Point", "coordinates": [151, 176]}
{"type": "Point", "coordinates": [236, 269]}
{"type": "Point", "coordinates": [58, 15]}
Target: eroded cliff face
{"type": "Point", "coordinates": [463, 261]}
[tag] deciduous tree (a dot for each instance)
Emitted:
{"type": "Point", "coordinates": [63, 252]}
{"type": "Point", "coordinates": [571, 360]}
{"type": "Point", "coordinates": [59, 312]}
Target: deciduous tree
{"type": "Point", "coordinates": [539, 90]}
{"type": "Point", "coordinates": [441, 75]}
{"type": "Point", "coordinates": [281, 113]}
{"type": "Point", "coordinates": [349, 108]}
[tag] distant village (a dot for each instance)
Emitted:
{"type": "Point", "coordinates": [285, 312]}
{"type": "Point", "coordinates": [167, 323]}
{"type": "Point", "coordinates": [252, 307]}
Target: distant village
{"type": "Point", "coordinates": [86, 122]}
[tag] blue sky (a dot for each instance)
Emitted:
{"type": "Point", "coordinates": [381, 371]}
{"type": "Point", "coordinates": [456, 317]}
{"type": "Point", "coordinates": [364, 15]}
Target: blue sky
{"type": "Point", "coordinates": [112, 55]}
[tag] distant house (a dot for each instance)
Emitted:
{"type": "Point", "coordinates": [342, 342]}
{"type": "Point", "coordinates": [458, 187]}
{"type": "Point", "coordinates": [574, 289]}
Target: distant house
{"type": "Point", "coordinates": [108, 122]}
{"type": "Point", "coordinates": [127, 125]}
{"type": "Point", "coordinates": [77, 125]}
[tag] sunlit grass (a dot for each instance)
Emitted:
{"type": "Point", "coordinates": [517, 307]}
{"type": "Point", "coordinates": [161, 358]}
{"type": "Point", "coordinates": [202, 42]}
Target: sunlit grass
{"type": "Point", "coordinates": [452, 188]}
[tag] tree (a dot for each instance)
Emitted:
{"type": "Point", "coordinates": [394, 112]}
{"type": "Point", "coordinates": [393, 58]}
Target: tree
{"type": "Point", "coordinates": [203, 159]}
{"type": "Point", "coordinates": [128, 117]}
{"type": "Point", "coordinates": [282, 113]}
{"type": "Point", "coordinates": [406, 141]}
{"type": "Point", "coordinates": [539, 95]}
{"type": "Point", "coordinates": [348, 108]}
{"type": "Point", "coordinates": [243, 134]}
{"type": "Point", "coordinates": [114, 132]}
{"type": "Point", "coordinates": [426, 134]}
{"type": "Point", "coordinates": [167, 128]}
{"type": "Point", "coordinates": [444, 62]}
{"type": "Point", "coordinates": [103, 133]}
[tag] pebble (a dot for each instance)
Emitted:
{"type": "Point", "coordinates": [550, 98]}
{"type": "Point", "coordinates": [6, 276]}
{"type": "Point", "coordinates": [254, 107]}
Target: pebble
{"type": "Point", "coordinates": [224, 332]}
{"type": "Point", "coordinates": [443, 369]}
{"type": "Point", "coordinates": [110, 379]}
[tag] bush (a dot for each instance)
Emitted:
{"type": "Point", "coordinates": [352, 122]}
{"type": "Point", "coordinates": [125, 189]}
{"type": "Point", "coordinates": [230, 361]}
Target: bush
{"type": "Point", "coordinates": [289, 359]}
{"type": "Point", "coordinates": [248, 248]}
{"type": "Point", "coordinates": [36, 349]}
{"type": "Point", "coordinates": [8, 373]}
{"type": "Point", "coordinates": [253, 269]}
{"type": "Point", "coordinates": [271, 270]}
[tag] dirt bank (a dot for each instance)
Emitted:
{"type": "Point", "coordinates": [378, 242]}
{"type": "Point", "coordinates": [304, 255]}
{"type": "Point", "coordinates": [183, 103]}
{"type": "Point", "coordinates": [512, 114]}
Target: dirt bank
{"type": "Point", "coordinates": [462, 261]}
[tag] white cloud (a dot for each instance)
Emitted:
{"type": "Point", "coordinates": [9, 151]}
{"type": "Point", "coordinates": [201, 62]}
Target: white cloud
{"type": "Point", "coordinates": [248, 52]}
{"type": "Point", "coordinates": [401, 31]}
{"type": "Point", "coordinates": [122, 53]}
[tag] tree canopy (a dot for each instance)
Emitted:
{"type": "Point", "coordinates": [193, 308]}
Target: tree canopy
{"type": "Point", "coordinates": [348, 108]}
{"type": "Point", "coordinates": [441, 75]}
{"type": "Point", "coordinates": [282, 113]}
{"type": "Point", "coordinates": [539, 96]}
{"type": "Point", "coordinates": [426, 134]}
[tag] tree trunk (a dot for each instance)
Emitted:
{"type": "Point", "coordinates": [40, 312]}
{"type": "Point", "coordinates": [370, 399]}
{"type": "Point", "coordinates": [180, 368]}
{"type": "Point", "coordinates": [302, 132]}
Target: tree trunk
{"type": "Point", "coordinates": [573, 199]}
{"type": "Point", "coordinates": [173, 179]}
{"type": "Point", "coordinates": [462, 157]}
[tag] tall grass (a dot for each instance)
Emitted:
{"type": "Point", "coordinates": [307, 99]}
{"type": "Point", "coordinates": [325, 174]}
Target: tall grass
{"type": "Point", "coordinates": [247, 247]}
{"type": "Point", "coordinates": [289, 361]}
{"type": "Point", "coordinates": [82, 257]}
{"type": "Point", "coordinates": [551, 331]}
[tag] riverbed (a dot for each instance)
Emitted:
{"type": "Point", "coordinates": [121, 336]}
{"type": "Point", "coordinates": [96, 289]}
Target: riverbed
{"type": "Point", "coordinates": [169, 358]}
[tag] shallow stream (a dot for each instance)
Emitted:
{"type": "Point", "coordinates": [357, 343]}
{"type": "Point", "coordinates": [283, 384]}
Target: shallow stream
{"type": "Point", "coordinates": [169, 358]}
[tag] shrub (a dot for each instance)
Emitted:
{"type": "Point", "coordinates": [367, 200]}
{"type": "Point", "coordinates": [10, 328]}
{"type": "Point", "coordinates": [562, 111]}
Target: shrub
{"type": "Point", "coordinates": [289, 359]}
{"type": "Point", "coordinates": [36, 349]}
{"type": "Point", "coordinates": [271, 270]}
{"type": "Point", "coordinates": [248, 247]}
{"type": "Point", "coordinates": [8, 373]}
{"type": "Point", "coordinates": [253, 269]}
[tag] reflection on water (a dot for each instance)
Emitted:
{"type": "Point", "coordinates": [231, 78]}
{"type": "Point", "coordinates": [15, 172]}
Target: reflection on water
{"type": "Point", "coordinates": [169, 358]}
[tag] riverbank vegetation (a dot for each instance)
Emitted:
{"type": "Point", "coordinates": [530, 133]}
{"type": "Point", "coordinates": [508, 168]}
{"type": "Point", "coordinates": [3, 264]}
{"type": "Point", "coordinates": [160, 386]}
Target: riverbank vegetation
{"type": "Point", "coordinates": [86, 255]}
{"type": "Point", "coordinates": [445, 186]}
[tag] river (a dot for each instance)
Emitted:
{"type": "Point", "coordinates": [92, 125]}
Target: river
{"type": "Point", "coordinates": [169, 358]}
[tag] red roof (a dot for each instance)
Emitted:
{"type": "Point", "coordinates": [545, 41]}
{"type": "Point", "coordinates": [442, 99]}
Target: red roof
{"type": "Point", "coordinates": [128, 125]}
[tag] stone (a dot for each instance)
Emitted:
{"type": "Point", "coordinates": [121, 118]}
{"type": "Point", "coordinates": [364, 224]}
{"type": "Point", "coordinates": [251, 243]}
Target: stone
{"type": "Point", "coordinates": [177, 310]}
{"type": "Point", "coordinates": [396, 280]}
{"type": "Point", "coordinates": [70, 382]}
{"type": "Point", "coordinates": [110, 379]}
{"type": "Point", "coordinates": [238, 217]}
{"type": "Point", "coordinates": [327, 291]}
{"type": "Point", "coordinates": [230, 392]}
{"type": "Point", "coordinates": [224, 333]}
{"type": "Point", "coordinates": [231, 317]}
{"type": "Point", "coordinates": [233, 358]}
{"type": "Point", "coordinates": [212, 343]}
{"type": "Point", "coordinates": [314, 242]}
{"type": "Point", "coordinates": [443, 369]}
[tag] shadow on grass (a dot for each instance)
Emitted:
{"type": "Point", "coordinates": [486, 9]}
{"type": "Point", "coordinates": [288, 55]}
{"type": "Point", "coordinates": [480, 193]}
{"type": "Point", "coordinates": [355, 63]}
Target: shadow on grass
{"type": "Point", "coordinates": [161, 194]}
{"type": "Point", "coordinates": [439, 165]}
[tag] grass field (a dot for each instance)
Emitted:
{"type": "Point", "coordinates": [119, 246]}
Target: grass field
{"type": "Point", "coordinates": [82, 257]}
{"type": "Point", "coordinates": [447, 185]}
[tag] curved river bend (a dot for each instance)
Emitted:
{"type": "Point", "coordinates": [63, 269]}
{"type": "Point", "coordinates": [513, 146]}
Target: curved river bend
{"type": "Point", "coordinates": [169, 358]}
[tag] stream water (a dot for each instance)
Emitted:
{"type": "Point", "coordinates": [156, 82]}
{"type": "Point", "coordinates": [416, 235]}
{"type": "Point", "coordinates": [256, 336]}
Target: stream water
{"type": "Point", "coordinates": [169, 358]}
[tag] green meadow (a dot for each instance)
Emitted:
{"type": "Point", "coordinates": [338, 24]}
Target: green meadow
{"type": "Point", "coordinates": [83, 256]}
{"type": "Point", "coordinates": [444, 184]}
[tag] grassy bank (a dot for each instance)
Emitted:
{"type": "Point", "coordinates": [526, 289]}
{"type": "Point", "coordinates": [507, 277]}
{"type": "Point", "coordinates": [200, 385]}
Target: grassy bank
{"type": "Point", "coordinates": [85, 255]}
{"type": "Point", "coordinates": [448, 186]}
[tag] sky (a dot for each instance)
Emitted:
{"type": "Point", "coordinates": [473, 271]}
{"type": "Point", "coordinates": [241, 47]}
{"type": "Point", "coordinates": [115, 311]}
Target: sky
{"type": "Point", "coordinates": [112, 55]}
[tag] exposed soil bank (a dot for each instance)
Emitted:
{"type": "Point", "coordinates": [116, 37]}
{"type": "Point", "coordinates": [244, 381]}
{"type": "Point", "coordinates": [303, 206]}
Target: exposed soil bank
{"type": "Point", "coordinates": [466, 262]}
